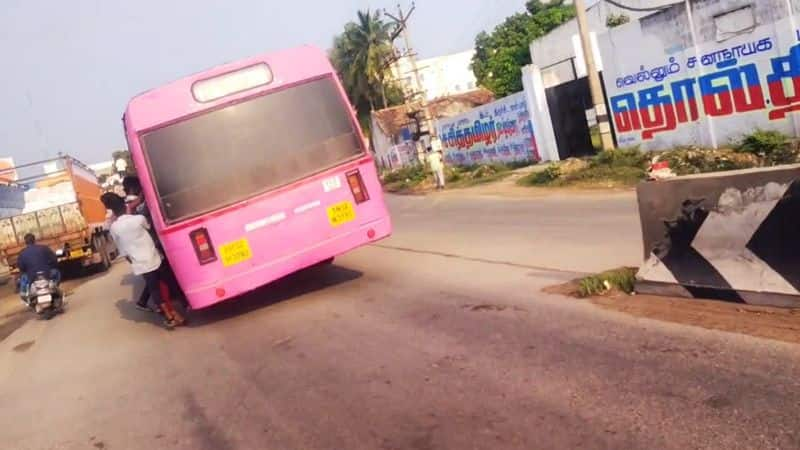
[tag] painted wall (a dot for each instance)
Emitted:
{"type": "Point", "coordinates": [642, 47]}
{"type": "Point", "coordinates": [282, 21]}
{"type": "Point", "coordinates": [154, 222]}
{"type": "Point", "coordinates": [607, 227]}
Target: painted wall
{"type": "Point", "coordinates": [401, 155]}
{"type": "Point", "coordinates": [501, 131]}
{"type": "Point", "coordinates": [733, 68]}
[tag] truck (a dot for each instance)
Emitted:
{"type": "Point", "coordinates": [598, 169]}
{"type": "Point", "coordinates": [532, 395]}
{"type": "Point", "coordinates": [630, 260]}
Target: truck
{"type": "Point", "coordinates": [62, 208]}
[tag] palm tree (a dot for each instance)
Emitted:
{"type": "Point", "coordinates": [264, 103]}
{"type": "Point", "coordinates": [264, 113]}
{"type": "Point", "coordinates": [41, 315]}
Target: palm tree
{"type": "Point", "coordinates": [361, 55]}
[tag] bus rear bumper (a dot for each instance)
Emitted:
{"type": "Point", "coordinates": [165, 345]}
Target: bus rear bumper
{"type": "Point", "coordinates": [256, 277]}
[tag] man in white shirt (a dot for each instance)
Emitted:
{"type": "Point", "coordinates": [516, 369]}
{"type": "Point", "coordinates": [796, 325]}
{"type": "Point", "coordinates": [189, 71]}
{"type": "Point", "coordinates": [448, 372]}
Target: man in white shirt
{"type": "Point", "coordinates": [132, 236]}
{"type": "Point", "coordinates": [437, 167]}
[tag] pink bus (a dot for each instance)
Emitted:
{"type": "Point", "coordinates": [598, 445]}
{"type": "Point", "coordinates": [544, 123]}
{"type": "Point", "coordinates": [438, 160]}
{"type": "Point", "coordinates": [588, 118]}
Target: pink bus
{"type": "Point", "coordinates": [254, 170]}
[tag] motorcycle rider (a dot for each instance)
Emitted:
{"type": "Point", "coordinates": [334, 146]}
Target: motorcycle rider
{"type": "Point", "coordinates": [36, 258]}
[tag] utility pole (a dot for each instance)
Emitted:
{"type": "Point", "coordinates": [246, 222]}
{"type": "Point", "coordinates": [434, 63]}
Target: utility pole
{"type": "Point", "coordinates": [419, 101]}
{"type": "Point", "coordinates": [598, 98]}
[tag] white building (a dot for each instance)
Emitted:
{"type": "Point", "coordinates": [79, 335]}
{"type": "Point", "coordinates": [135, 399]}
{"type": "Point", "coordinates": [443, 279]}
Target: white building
{"type": "Point", "coordinates": [559, 54]}
{"type": "Point", "coordinates": [440, 76]}
{"type": "Point", "coordinates": [103, 168]}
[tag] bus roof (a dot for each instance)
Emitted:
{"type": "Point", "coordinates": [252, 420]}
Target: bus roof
{"type": "Point", "coordinates": [175, 100]}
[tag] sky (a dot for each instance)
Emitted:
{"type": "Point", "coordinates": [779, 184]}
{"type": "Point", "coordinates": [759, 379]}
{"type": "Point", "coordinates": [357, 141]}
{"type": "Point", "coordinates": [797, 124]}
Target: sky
{"type": "Point", "coordinates": [70, 67]}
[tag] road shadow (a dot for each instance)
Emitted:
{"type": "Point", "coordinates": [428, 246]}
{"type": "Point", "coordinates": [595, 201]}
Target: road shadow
{"type": "Point", "coordinates": [301, 283]}
{"type": "Point", "coordinates": [126, 306]}
{"type": "Point", "coordinates": [129, 279]}
{"type": "Point", "coordinates": [128, 311]}
{"type": "Point", "coordinates": [12, 322]}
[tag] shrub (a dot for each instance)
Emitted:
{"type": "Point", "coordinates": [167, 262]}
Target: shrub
{"type": "Point", "coordinates": [609, 175]}
{"type": "Point", "coordinates": [626, 166]}
{"type": "Point", "coordinates": [687, 160]}
{"type": "Point", "coordinates": [543, 177]}
{"type": "Point", "coordinates": [622, 157]}
{"type": "Point", "coordinates": [622, 279]}
{"type": "Point", "coordinates": [415, 173]}
{"type": "Point", "coordinates": [485, 171]}
{"type": "Point", "coordinates": [772, 147]}
{"type": "Point", "coordinates": [615, 20]}
{"type": "Point", "coordinates": [453, 174]}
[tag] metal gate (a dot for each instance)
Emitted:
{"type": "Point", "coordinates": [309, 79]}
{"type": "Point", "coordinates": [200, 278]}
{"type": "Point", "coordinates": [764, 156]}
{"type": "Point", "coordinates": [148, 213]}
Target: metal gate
{"type": "Point", "coordinates": [568, 103]}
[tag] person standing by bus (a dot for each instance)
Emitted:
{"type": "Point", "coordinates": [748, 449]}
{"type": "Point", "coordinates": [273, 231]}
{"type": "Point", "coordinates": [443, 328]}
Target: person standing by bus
{"type": "Point", "coordinates": [437, 167]}
{"type": "Point", "coordinates": [131, 233]}
{"type": "Point", "coordinates": [136, 205]}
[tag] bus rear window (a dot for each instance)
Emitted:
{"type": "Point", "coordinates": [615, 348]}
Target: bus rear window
{"type": "Point", "coordinates": [231, 154]}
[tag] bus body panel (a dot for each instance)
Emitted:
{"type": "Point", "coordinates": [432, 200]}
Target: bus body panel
{"type": "Point", "coordinates": [285, 229]}
{"type": "Point", "coordinates": [175, 101]}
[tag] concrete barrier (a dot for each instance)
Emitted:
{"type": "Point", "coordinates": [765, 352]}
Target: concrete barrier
{"type": "Point", "coordinates": [731, 236]}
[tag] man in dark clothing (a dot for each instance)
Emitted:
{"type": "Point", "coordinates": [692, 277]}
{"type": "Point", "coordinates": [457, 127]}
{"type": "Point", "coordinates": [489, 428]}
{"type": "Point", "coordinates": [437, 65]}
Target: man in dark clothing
{"type": "Point", "coordinates": [36, 258]}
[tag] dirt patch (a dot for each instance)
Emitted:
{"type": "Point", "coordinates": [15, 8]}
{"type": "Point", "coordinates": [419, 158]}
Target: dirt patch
{"type": "Point", "coordinates": [780, 324]}
{"type": "Point", "coordinates": [569, 289]}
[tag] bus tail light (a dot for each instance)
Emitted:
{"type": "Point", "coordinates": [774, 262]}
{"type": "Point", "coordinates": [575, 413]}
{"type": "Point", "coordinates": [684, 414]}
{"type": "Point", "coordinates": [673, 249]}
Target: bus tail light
{"type": "Point", "coordinates": [357, 186]}
{"type": "Point", "coordinates": [202, 246]}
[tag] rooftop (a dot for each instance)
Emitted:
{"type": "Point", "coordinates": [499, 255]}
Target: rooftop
{"type": "Point", "coordinates": [392, 120]}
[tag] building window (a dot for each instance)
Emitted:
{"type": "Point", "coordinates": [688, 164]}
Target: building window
{"type": "Point", "coordinates": [458, 88]}
{"type": "Point", "coordinates": [471, 85]}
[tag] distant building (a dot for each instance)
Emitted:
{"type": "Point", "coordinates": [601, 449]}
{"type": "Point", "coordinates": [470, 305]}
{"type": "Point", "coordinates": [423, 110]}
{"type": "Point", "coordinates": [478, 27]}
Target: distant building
{"type": "Point", "coordinates": [105, 168]}
{"type": "Point", "coordinates": [559, 54]}
{"type": "Point", "coordinates": [440, 76]}
{"type": "Point", "coordinates": [392, 130]}
{"type": "Point", "coordinates": [12, 197]}
{"type": "Point", "coordinates": [8, 174]}
{"type": "Point", "coordinates": [110, 179]}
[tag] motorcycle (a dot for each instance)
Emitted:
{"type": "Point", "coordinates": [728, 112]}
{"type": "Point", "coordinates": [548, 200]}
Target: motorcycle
{"type": "Point", "coordinates": [44, 296]}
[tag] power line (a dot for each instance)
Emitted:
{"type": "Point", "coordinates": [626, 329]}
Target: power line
{"type": "Point", "coordinates": [642, 9]}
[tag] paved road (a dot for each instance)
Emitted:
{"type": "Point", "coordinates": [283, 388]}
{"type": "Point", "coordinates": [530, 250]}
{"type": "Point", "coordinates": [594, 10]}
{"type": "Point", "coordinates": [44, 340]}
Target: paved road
{"type": "Point", "coordinates": [433, 347]}
{"type": "Point", "coordinates": [577, 233]}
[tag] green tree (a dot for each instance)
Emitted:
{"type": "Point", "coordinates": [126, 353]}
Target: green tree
{"type": "Point", "coordinates": [361, 55]}
{"type": "Point", "coordinates": [501, 54]}
{"type": "Point", "coordinates": [615, 20]}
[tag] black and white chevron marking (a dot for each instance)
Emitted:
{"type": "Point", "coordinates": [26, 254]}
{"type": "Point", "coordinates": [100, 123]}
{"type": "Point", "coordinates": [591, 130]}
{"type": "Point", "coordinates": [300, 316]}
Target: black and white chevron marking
{"type": "Point", "coordinates": [746, 246]}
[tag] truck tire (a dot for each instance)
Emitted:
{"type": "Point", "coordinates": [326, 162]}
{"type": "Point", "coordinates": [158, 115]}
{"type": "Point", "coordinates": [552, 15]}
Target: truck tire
{"type": "Point", "coordinates": [106, 264]}
{"type": "Point", "coordinates": [99, 244]}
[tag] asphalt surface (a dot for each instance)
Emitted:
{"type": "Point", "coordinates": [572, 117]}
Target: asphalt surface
{"type": "Point", "coordinates": [435, 339]}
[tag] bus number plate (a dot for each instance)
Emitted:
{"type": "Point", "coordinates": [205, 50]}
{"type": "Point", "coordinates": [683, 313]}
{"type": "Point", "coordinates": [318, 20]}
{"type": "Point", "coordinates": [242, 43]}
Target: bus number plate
{"type": "Point", "coordinates": [235, 252]}
{"type": "Point", "coordinates": [341, 213]}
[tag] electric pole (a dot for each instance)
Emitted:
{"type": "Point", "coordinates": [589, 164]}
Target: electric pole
{"type": "Point", "coordinates": [598, 98]}
{"type": "Point", "coordinates": [419, 100]}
